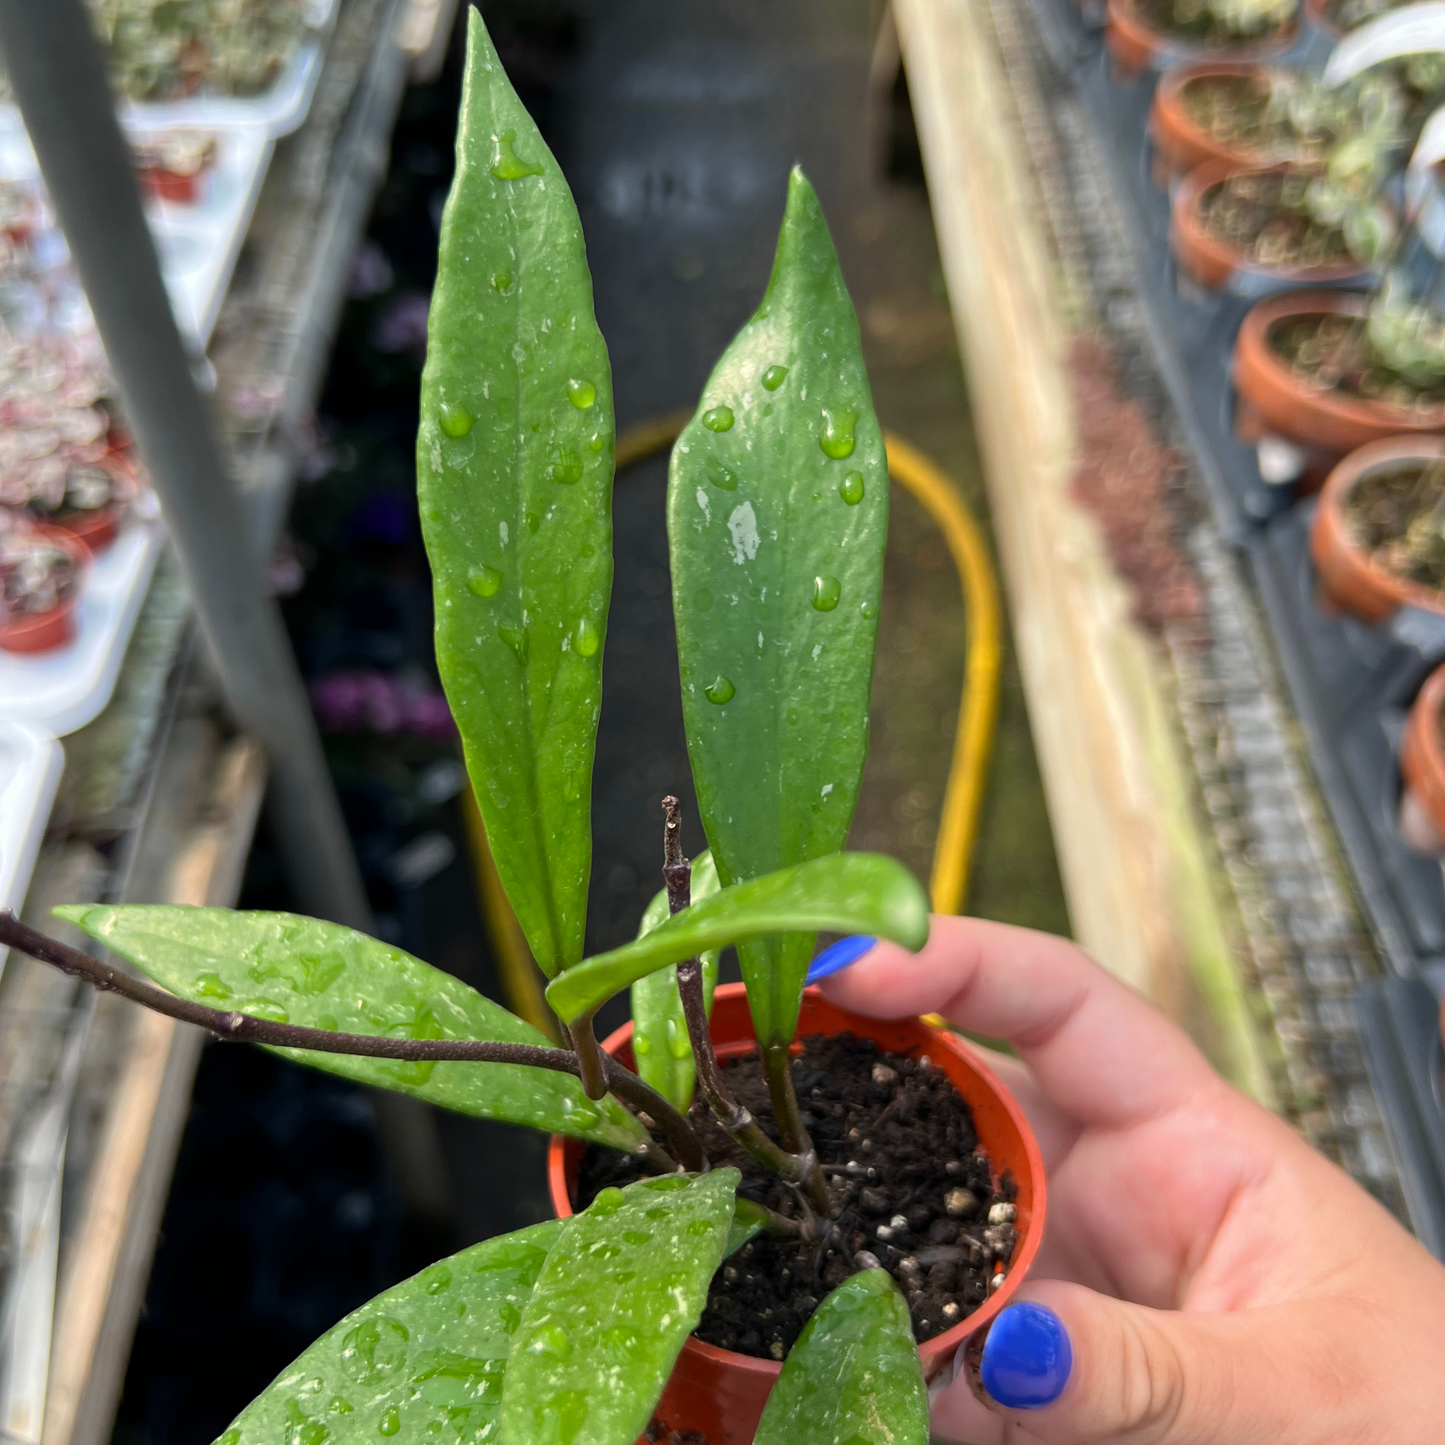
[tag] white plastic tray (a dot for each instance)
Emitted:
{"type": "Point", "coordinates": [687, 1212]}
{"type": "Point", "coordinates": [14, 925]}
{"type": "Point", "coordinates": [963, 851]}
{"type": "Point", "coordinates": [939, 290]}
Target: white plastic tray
{"type": "Point", "coordinates": [30, 765]}
{"type": "Point", "coordinates": [63, 690]}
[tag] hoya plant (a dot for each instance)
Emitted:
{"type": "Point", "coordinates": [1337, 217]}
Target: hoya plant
{"type": "Point", "coordinates": [777, 512]}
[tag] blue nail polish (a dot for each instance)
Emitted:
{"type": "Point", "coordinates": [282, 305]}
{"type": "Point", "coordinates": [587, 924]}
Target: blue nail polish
{"type": "Point", "coordinates": [1026, 1358]}
{"type": "Point", "coordinates": [838, 956]}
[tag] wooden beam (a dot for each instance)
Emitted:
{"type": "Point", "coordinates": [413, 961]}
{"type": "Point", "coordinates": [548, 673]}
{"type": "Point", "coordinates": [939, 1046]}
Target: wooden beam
{"type": "Point", "coordinates": [1136, 865]}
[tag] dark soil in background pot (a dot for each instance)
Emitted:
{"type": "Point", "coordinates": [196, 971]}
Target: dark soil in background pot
{"type": "Point", "coordinates": [1333, 353]}
{"type": "Point", "coordinates": [1397, 516]}
{"type": "Point", "coordinates": [898, 1143]}
{"type": "Point", "coordinates": [1262, 216]}
{"type": "Point", "coordinates": [1234, 111]}
{"type": "Point", "coordinates": [1196, 25]}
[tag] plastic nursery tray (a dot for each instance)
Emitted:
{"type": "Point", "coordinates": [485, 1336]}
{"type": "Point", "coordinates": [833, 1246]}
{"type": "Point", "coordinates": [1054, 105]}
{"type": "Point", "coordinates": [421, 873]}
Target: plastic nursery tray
{"type": "Point", "coordinates": [198, 243]}
{"type": "Point", "coordinates": [63, 690]}
{"type": "Point", "coordinates": [30, 765]}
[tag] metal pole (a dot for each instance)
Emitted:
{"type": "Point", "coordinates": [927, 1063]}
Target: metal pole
{"type": "Point", "coordinates": [57, 71]}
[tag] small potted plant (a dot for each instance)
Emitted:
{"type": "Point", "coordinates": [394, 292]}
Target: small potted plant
{"type": "Point", "coordinates": [175, 165]}
{"type": "Point", "coordinates": [1230, 113]}
{"type": "Point", "coordinates": [738, 1144]}
{"type": "Point", "coordinates": [1422, 770]}
{"type": "Point", "coordinates": [40, 574]}
{"type": "Point", "coordinates": [1155, 34]}
{"type": "Point", "coordinates": [90, 500]}
{"type": "Point", "coordinates": [1328, 371]}
{"type": "Point", "coordinates": [1273, 226]}
{"type": "Point", "coordinates": [1378, 534]}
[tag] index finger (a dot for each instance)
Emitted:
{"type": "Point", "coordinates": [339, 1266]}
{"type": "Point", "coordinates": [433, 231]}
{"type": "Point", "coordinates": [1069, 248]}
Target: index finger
{"type": "Point", "coordinates": [1093, 1045]}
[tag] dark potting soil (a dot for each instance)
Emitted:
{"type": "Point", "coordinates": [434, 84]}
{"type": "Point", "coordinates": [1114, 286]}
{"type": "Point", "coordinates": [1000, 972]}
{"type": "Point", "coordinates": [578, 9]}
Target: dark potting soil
{"type": "Point", "coordinates": [1235, 110]}
{"type": "Point", "coordinates": [1397, 515]}
{"type": "Point", "coordinates": [1264, 218]}
{"type": "Point", "coordinates": [1333, 353]}
{"type": "Point", "coordinates": [911, 1183]}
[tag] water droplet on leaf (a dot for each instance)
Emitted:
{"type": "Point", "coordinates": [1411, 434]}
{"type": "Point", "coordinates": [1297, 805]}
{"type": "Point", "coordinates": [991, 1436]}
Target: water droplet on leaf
{"type": "Point", "coordinates": [697, 1229]}
{"type": "Point", "coordinates": [516, 639]}
{"type": "Point", "coordinates": [390, 1421]}
{"type": "Point", "coordinates": [501, 281]}
{"type": "Point", "coordinates": [869, 610]}
{"type": "Point", "coordinates": [720, 418]}
{"type": "Point", "coordinates": [637, 1236]}
{"type": "Point", "coordinates": [837, 440]}
{"type": "Point", "coordinates": [677, 1040]}
{"type": "Point", "coordinates": [720, 690]}
{"type": "Point", "coordinates": [826, 592]}
{"type": "Point", "coordinates": [851, 488]}
{"type": "Point", "coordinates": [596, 442]}
{"type": "Point", "coordinates": [566, 466]}
{"type": "Point", "coordinates": [339, 1405]}
{"type": "Point", "coordinates": [641, 1044]}
{"type": "Point", "coordinates": [724, 478]}
{"type": "Point", "coordinates": [608, 1201]}
{"type": "Point", "coordinates": [581, 393]}
{"type": "Point", "coordinates": [484, 581]}
{"type": "Point", "coordinates": [436, 1279]}
{"type": "Point", "coordinates": [455, 421]}
{"type": "Point", "coordinates": [551, 1339]}
{"type": "Point", "coordinates": [774, 376]}
{"type": "Point", "coordinates": [211, 985]}
{"type": "Point", "coordinates": [588, 639]}
{"type": "Point", "coordinates": [507, 165]}
{"type": "Point", "coordinates": [374, 1350]}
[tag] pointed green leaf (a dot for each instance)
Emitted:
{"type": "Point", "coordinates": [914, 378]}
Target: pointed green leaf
{"type": "Point", "coordinates": [427, 1354]}
{"type": "Point", "coordinates": [844, 892]}
{"type": "Point", "coordinates": [853, 1375]}
{"type": "Point", "coordinates": [660, 1043]}
{"type": "Point", "coordinates": [303, 971]}
{"type": "Point", "coordinates": [514, 476]}
{"type": "Point", "coordinates": [777, 514]}
{"type": "Point", "coordinates": [615, 1302]}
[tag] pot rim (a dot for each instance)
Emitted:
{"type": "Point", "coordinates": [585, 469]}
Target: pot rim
{"type": "Point", "coordinates": [1422, 753]}
{"type": "Point", "coordinates": [12, 628]}
{"type": "Point", "coordinates": [1171, 126]}
{"type": "Point", "coordinates": [1139, 33]}
{"type": "Point", "coordinates": [1254, 339]}
{"type": "Point", "coordinates": [941, 1346]}
{"type": "Point", "coordinates": [1330, 515]}
{"type": "Point", "coordinates": [1185, 214]}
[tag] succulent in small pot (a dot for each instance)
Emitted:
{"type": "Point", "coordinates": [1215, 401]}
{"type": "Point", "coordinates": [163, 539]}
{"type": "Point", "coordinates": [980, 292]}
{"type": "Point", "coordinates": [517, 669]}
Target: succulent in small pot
{"type": "Point", "coordinates": [1226, 112]}
{"type": "Point", "coordinates": [1327, 371]}
{"type": "Point", "coordinates": [40, 574]}
{"type": "Point", "coordinates": [175, 165]}
{"type": "Point", "coordinates": [1422, 771]}
{"type": "Point", "coordinates": [1378, 533]}
{"type": "Point", "coordinates": [91, 501]}
{"type": "Point", "coordinates": [1259, 230]}
{"type": "Point", "coordinates": [1155, 34]}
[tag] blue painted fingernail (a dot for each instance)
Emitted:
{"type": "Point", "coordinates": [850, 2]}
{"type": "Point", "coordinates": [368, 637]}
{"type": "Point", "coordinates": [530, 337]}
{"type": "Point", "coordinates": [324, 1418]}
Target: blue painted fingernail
{"type": "Point", "coordinates": [1026, 1358]}
{"type": "Point", "coordinates": [838, 956]}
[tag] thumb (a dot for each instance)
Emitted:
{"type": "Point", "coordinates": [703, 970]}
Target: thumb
{"type": "Point", "coordinates": [1071, 1367]}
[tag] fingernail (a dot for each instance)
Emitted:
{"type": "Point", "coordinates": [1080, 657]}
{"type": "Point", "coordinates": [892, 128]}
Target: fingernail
{"type": "Point", "coordinates": [1026, 1358]}
{"type": "Point", "coordinates": [838, 956]}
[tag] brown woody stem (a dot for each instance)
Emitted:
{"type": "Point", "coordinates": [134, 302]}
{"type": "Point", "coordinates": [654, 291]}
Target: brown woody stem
{"type": "Point", "coordinates": [243, 1028]}
{"type": "Point", "coordinates": [799, 1168]}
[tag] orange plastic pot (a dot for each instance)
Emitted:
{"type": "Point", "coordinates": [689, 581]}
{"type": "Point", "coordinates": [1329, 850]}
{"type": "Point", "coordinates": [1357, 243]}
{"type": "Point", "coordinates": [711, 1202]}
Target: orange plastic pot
{"type": "Point", "coordinates": [1214, 263]}
{"type": "Point", "coordinates": [1136, 46]}
{"type": "Point", "coordinates": [97, 529]}
{"type": "Point", "coordinates": [1325, 424]}
{"type": "Point", "coordinates": [720, 1394]}
{"type": "Point", "coordinates": [172, 186]}
{"type": "Point", "coordinates": [45, 631]}
{"type": "Point", "coordinates": [1422, 757]}
{"type": "Point", "coordinates": [1350, 579]}
{"type": "Point", "coordinates": [1180, 142]}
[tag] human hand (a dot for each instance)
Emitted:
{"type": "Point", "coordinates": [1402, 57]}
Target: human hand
{"type": "Point", "coordinates": [1206, 1277]}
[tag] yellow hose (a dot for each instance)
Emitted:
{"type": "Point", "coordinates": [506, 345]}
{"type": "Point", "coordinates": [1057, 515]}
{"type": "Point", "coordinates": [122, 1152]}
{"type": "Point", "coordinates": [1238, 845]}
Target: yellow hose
{"type": "Point", "coordinates": [972, 742]}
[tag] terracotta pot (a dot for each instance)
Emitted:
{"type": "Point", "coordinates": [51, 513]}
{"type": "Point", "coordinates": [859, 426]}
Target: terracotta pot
{"type": "Point", "coordinates": [1325, 424]}
{"type": "Point", "coordinates": [721, 1394]}
{"type": "Point", "coordinates": [1137, 46]}
{"type": "Point", "coordinates": [171, 186]}
{"type": "Point", "coordinates": [1422, 757]}
{"type": "Point", "coordinates": [45, 631]}
{"type": "Point", "coordinates": [1180, 144]}
{"type": "Point", "coordinates": [97, 528]}
{"type": "Point", "coordinates": [1350, 580]}
{"type": "Point", "coordinates": [1215, 263]}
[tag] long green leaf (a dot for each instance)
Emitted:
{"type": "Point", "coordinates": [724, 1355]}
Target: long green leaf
{"type": "Point", "coordinates": [514, 475]}
{"type": "Point", "coordinates": [303, 971]}
{"type": "Point", "coordinates": [749, 1221]}
{"type": "Point", "coordinates": [421, 1362]}
{"type": "Point", "coordinates": [853, 1375]}
{"type": "Point", "coordinates": [844, 892]}
{"type": "Point", "coordinates": [659, 1030]}
{"type": "Point", "coordinates": [615, 1302]}
{"type": "Point", "coordinates": [777, 515]}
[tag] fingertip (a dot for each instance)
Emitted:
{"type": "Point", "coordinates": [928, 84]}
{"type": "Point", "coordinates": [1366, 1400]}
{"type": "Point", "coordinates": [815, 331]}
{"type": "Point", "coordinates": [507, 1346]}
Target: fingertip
{"type": "Point", "coordinates": [1027, 1358]}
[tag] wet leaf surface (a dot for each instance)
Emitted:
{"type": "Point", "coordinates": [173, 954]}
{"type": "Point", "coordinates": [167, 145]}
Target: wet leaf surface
{"type": "Point", "coordinates": [303, 971]}
{"type": "Point", "coordinates": [777, 518]}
